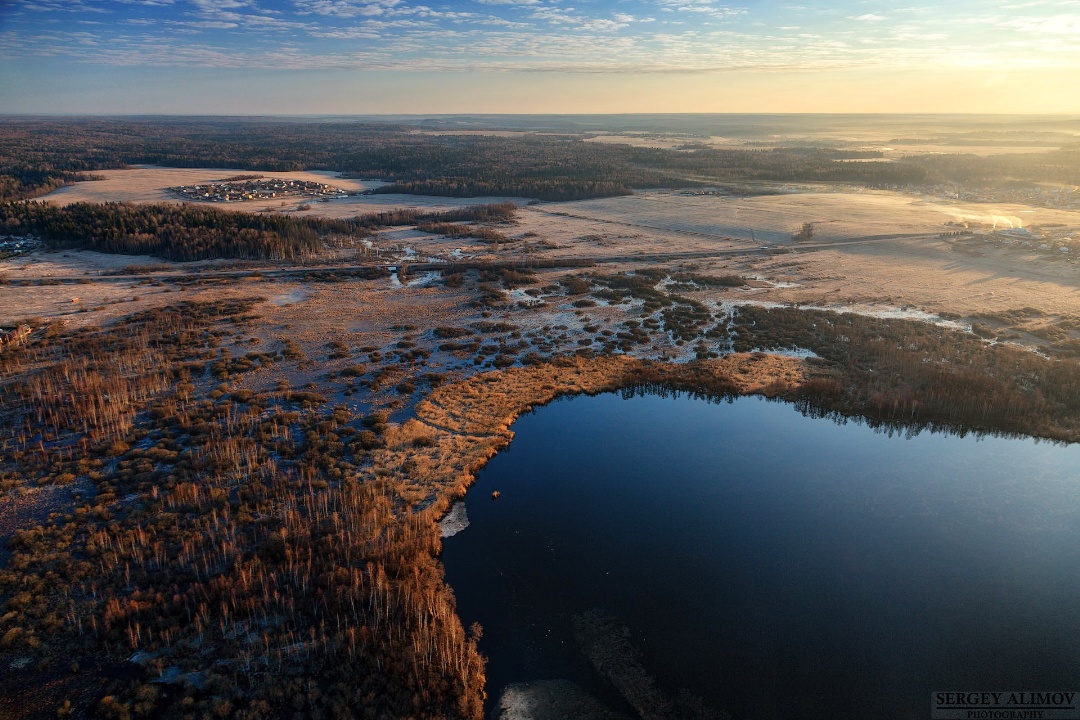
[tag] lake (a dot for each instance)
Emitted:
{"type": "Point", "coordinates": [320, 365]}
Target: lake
{"type": "Point", "coordinates": [770, 564]}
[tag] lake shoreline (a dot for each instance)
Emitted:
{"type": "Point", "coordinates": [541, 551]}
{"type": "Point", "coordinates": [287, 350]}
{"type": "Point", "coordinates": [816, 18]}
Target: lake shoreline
{"type": "Point", "coordinates": [435, 456]}
{"type": "Point", "coordinates": [671, 515]}
{"type": "Point", "coordinates": [458, 428]}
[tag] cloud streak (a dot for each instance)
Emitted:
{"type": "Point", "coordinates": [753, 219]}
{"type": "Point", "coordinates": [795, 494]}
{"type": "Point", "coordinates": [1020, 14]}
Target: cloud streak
{"type": "Point", "coordinates": [586, 36]}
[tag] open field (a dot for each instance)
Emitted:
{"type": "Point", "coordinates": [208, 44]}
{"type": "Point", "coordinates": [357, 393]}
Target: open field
{"type": "Point", "coordinates": [149, 185]}
{"type": "Point", "coordinates": [836, 216]}
{"type": "Point", "coordinates": [877, 144]}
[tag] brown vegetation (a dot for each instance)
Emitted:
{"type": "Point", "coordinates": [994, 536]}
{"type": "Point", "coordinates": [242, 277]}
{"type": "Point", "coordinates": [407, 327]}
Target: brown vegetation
{"type": "Point", "coordinates": [232, 540]}
{"type": "Point", "coordinates": [913, 372]}
{"type": "Point", "coordinates": [455, 230]}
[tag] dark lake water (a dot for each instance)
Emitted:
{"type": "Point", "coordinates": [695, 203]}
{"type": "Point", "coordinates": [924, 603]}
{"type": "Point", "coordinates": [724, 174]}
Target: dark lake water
{"type": "Point", "coordinates": [775, 565]}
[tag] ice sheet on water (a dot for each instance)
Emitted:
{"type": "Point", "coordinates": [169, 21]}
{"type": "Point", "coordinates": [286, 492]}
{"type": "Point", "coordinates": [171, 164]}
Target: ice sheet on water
{"type": "Point", "coordinates": [290, 298]}
{"type": "Point", "coordinates": [423, 279]}
{"type": "Point", "coordinates": [455, 521]}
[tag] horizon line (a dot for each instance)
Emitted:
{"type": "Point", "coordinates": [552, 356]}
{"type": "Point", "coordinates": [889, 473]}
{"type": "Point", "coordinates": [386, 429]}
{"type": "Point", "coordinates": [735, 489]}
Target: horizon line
{"type": "Point", "coordinates": [534, 114]}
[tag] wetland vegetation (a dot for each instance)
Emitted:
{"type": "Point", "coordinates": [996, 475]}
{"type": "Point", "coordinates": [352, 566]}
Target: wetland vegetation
{"type": "Point", "coordinates": [297, 540]}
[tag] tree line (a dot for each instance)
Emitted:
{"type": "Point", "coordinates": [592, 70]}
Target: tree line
{"type": "Point", "coordinates": [490, 213]}
{"type": "Point", "coordinates": [196, 232]}
{"type": "Point", "coordinates": [175, 232]}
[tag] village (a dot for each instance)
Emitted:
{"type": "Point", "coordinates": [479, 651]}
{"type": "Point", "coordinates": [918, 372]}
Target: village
{"type": "Point", "coordinates": [256, 189]}
{"type": "Point", "coordinates": [14, 245]}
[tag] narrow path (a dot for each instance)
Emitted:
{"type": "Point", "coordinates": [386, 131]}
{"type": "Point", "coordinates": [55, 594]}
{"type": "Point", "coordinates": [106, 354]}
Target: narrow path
{"type": "Point", "coordinates": [459, 433]}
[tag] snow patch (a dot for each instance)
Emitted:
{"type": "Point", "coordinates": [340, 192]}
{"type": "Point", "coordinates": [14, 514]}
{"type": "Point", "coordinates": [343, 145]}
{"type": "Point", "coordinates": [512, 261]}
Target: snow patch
{"type": "Point", "coordinates": [455, 521]}
{"type": "Point", "coordinates": [290, 298]}
{"type": "Point", "coordinates": [792, 352]}
{"type": "Point", "coordinates": [883, 312]}
{"type": "Point", "coordinates": [518, 295]}
{"type": "Point", "coordinates": [424, 279]}
{"type": "Point", "coordinates": [774, 283]}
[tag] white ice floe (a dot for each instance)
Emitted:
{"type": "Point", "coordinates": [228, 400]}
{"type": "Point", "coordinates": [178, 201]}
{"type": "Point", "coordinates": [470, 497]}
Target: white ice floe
{"type": "Point", "coordinates": [517, 295]}
{"type": "Point", "coordinates": [424, 279]}
{"type": "Point", "coordinates": [793, 351]}
{"type": "Point", "coordinates": [884, 312]}
{"type": "Point", "coordinates": [455, 521]}
{"type": "Point", "coordinates": [774, 283]}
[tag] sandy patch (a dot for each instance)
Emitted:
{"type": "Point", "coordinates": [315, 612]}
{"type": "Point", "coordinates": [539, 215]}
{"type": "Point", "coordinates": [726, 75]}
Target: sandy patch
{"type": "Point", "coordinates": [80, 305]}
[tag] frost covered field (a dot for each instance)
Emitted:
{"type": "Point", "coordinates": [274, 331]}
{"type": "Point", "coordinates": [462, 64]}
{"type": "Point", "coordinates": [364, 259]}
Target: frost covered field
{"type": "Point", "coordinates": [869, 249]}
{"type": "Point", "coordinates": [774, 218]}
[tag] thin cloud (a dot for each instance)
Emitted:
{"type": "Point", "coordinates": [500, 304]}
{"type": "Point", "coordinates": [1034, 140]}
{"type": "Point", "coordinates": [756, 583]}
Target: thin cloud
{"type": "Point", "coordinates": [1055, 25]}
{"type": "Point", "coordinates": [613, 36]}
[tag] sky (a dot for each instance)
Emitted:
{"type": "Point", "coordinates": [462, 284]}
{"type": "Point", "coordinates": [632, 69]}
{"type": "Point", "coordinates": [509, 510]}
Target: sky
{"type": "Point", "coordinates": [537, 56]}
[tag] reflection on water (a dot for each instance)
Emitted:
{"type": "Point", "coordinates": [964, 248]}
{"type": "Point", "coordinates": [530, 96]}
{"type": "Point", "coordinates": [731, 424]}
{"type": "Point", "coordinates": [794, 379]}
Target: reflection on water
{"type": "Point", "coordinates": [770, 564]}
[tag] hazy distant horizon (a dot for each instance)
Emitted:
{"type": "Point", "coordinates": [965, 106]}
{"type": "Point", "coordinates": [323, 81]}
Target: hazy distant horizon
{"type": "Point", "coordinates": [314, 116]}
{"type": "Point", "coordinates": [1062, 128]}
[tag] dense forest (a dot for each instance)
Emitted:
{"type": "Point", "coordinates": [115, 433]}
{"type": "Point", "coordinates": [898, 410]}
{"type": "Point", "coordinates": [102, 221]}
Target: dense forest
{"type": "Point", "coordinates": [1056, 166]}
{"type": "Point", "coordinates": [22, 182]}
{"type": "Point", "coordinates": [490, 213]}
{"type": "Point", "coordinates": [196, 232]}
{"type": "Point", "coordinates": [175, 232]}
{"type": "Point", "coordinates": [37, 155]}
